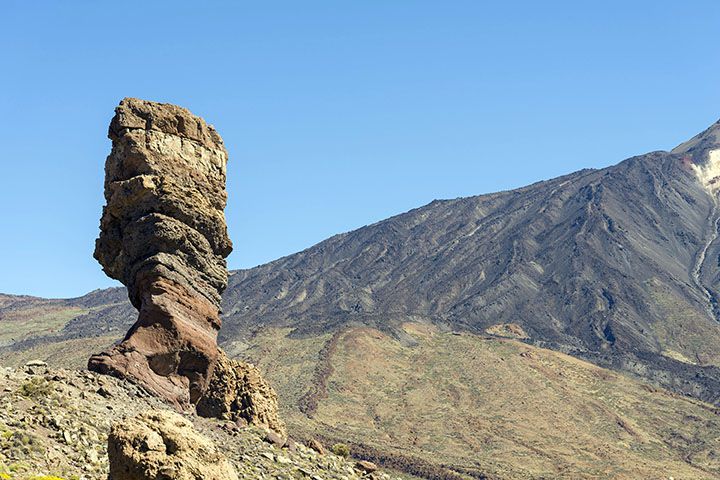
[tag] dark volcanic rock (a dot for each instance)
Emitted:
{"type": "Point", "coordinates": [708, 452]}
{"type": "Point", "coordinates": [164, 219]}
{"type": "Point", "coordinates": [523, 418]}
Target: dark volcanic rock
{"type": "Point", "coordinates": [163, 234]}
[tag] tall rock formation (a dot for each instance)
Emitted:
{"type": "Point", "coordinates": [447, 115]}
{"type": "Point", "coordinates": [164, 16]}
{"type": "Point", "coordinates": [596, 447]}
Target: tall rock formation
{"type": "Point", "coordinates": [163, 234]}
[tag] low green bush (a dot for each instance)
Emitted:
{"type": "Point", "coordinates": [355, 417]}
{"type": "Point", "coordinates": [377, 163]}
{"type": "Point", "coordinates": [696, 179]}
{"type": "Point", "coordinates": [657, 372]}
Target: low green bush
{"type": "Point", "coordinates": [36, 387]}
{"type": "Point", "coordinates": [341, 450]}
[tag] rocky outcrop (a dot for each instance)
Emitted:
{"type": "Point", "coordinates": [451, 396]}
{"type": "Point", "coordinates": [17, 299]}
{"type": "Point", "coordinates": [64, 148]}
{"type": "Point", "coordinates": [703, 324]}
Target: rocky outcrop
{"type": "Point", "coordinates": [236, 391]}
{"type": "Point", "coordinates": [163, 234]}
{"type": "Point", "coordinates": [164, 445]}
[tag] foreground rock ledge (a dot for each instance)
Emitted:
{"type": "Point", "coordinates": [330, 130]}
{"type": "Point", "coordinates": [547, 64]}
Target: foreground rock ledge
{"type": "Point", "coordinates": [163, 234]}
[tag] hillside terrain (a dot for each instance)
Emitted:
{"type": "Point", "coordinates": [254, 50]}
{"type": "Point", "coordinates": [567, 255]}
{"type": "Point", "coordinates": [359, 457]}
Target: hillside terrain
{"type": "Point", "coordinates": [618, 266]}
{"type": "Point", "coordinates": [485, 406]}
{"type": "Point", "coordinates": [55, 423]}
{"type": "Point", "coordinates": [568, 329]}
{"type": "Point", "coordinates": [449, 405]}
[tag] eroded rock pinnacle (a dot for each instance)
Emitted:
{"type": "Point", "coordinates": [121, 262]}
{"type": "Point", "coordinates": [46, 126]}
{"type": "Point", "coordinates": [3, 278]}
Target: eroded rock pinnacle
{"type": "Point", "coordinates": [163, 234]}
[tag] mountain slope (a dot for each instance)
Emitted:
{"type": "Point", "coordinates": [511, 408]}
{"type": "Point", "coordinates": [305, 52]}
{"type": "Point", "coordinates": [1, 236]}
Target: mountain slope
{"type": "Point", "coordinates": [484, 406]}
{"type": "Point", "coordinates": [618, 266]}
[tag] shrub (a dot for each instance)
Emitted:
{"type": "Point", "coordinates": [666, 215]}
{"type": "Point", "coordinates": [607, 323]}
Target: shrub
{"type": "Point", "coordinates": [341, 450]}
{"type": "Point", "coordinates": [36, 387]}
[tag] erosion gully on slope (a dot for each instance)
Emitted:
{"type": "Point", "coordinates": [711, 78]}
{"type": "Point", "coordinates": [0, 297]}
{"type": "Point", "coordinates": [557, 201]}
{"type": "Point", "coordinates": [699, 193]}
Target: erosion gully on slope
{"type": "Point", "coordinates": [712, 307]}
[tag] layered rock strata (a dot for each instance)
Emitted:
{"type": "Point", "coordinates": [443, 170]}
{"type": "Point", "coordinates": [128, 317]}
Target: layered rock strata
{"type": "Point", "coordinates": [163, 235]}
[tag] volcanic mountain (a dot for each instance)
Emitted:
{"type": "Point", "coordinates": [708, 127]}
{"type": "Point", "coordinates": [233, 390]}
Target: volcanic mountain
{"type": "Point", "coordinates": [619, 266]}
{"type": "Point", "coordinates": [439, 323]}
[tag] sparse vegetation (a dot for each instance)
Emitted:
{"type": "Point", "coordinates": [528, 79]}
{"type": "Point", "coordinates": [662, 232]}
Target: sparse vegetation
{"type": "Point", "coordinates": [426, 408]}
{"type": "Point", "coordinates": [36, 387]}
{"type": "Point", "coordinates": [58, 436]}
{"type": "Point", "coordinates": [36, 320]}
{"type": "Point", "coordinates": [341, 450]}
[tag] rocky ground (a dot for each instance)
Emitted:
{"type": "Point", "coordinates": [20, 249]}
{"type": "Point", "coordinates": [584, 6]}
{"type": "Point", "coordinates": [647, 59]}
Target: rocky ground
{"type": "Point", "coordinates": [54, 425]}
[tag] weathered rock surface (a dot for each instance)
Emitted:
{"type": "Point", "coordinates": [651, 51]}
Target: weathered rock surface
{"type": "Point", "coordinates": [163, 234]}
{"type": "Point", "coordinates": [163, 445]}
{"type": "Point", "coordinates": [237, 390]}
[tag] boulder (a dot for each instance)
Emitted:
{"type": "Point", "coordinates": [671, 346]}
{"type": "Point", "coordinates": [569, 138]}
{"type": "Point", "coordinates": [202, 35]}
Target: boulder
{"type": "Point", "coordinates": [237, 391]}
{"type": "Point", "coordinates": [315, 445]}
{"type": "Point", "coordinates": [365, 466]}
{"type": "Point", "coordinates": [36, 367]}
{"type": "Point", "coordinates": [162, 445]}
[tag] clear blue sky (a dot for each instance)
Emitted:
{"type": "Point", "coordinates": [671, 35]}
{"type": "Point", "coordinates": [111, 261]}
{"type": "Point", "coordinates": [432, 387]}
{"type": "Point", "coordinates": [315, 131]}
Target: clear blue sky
{"type": "Point", "coordinates": [336, 114]}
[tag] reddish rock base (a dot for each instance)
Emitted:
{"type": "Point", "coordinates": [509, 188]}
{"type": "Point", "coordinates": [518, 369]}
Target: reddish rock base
{"type": "Point", "coordinates": [172, 348]}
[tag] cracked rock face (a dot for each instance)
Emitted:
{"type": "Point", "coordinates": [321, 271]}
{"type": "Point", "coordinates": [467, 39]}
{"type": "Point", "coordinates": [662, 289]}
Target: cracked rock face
{"type": "Point", "coordinates": [163, 235]}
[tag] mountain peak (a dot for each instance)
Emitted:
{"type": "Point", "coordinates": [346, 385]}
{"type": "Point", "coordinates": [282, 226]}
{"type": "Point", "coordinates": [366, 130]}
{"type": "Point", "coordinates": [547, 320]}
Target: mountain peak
{"type": "Point", "coordinates": [701, 143]}
{"type": "Point", "coordinates": [703, 151]}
